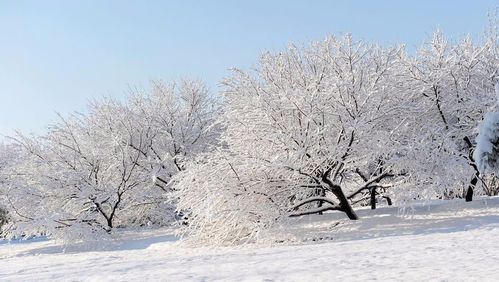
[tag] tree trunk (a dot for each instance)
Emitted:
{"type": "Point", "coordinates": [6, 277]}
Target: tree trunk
{"type": "Point", "coordinates": [373, 198]}
{"type": "Point", "coordinates": [469, 192]}
{"type": "Point", "coordinates": [345, 204]}
{"type": "Point", "coordinates": [350, 212]}
{"type": "Point", "coordinates": [388, 200]}
{"type": "Point", "coordinates": [110, 223]}
{"type": "Point", "coordinates": [322, 193]}
{"type": "Point", "coordinates": [474, 180]}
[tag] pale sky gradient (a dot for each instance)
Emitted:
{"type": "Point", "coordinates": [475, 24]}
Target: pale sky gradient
{"type": "Point", "coordinates": [56, 55]}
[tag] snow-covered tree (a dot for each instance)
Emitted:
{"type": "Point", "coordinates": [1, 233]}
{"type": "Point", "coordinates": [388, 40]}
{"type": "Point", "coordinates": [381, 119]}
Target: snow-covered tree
{"type": "Point", "coordinates": [451, 87]}
{"type": "Point", "coordinates": [112, 166]}
{"type": "Point", "coordinates": [305, 131]}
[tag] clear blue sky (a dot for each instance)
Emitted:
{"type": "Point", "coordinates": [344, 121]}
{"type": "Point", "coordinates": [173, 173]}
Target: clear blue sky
{"type": "Point", "coordinates": [56, 55]}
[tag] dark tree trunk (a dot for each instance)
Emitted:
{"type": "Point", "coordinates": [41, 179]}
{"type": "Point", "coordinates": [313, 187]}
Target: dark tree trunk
{"type": "Point", "coordinates": [474, 180]}
{"type": "Point", "coordinates": [469, 192]}
{"type": "Point", "coordinates": [388, 200]}
{"type": "Point", "coordinates": [113, 212]}
{"type": "Point", "coordinates": [322, 193]}
{"type": "Point", "coordinates": [110, 223]}
{"type": "Point", "coordinates": [345, 204]}
{"type": "Point", "coordinates": [373, 198]}
{"type": "Point", "coordinates": [350, 212]}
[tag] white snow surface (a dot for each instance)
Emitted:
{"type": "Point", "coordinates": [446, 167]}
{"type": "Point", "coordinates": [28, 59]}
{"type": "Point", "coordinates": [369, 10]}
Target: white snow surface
{"type": "Point", "coordinates": [439, 241]}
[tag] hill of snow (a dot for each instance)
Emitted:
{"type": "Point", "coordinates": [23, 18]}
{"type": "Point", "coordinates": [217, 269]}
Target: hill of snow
{"type": "Point", "coordinates": [442, 241]}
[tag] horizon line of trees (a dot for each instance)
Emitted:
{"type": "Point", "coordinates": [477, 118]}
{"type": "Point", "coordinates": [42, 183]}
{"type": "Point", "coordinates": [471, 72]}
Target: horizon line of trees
{"type": "Point", "coordinates": [336, 125]}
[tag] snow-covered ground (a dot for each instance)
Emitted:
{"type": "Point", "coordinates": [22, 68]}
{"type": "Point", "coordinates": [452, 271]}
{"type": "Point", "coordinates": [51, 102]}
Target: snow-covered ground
{"type": "Point", "coordinates": [444, 241]}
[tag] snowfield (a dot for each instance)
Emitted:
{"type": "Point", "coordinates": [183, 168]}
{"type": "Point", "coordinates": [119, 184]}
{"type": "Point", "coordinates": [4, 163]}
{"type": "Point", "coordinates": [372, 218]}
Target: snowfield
{"type": "Point", "coordinates": [442, 241]}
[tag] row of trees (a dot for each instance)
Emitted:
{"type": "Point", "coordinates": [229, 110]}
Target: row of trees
{"type": "Point", "coordinates": [329, 127]}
